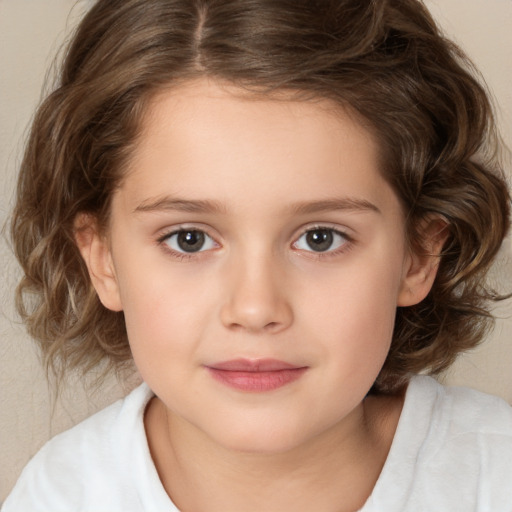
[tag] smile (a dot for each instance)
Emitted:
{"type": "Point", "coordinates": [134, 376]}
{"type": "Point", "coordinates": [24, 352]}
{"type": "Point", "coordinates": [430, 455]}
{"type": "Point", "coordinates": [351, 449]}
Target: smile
{"type": "Point", "coordinates": [255, 375]}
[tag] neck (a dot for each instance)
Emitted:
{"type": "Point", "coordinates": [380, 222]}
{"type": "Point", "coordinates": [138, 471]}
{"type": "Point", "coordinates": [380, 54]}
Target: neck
{"type": "Point", "coordinates": [335, 471]}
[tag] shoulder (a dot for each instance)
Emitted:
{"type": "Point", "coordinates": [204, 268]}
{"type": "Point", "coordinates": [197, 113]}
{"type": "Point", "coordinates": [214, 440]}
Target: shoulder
{"type": "Point", "coordinates": [98, 451]}
{"type": "Point", "coordinates": [459, 411]}
{"type": "Point", "coordinates": [459, 425]}
{"type": "Point", "coordinates": [452, 450]}
{"type": "Point", "coordinates": [464, 455]}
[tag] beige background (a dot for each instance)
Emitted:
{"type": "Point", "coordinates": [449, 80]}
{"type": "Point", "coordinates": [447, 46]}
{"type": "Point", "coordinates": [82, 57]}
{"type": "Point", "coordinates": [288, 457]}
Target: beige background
{"type": "Point", "coordinates": [31, 32]}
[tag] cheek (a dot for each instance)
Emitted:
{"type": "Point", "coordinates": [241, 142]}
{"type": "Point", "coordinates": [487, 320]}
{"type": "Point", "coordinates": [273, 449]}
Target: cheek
{"type": "Point", "coordinates": [355, 314]}
{"type": "Point", "coordinates": [163, 310]}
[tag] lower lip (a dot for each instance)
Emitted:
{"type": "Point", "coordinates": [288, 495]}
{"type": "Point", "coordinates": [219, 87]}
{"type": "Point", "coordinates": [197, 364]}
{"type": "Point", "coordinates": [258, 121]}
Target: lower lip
{"type": "Point", "coordinates": [257, 381]}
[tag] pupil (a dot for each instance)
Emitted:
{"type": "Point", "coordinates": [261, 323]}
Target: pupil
{"type": "Point", "coordinates": [319, 240]}
{"type": "Point", "coordinates": [190, 241]}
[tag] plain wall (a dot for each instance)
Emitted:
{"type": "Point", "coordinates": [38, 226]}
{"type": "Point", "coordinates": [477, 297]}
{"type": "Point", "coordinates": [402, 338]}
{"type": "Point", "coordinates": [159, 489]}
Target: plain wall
{"type": "Point", "coordinates": [31, 32]}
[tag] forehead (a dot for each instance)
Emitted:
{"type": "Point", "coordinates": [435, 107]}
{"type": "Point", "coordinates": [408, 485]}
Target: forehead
{"type": "Point", "coordinates": [206, 138]}
{"type": "Point", "coordinates": [200, 107]}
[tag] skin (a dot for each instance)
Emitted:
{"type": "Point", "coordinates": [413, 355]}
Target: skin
{"type": "Point", "coordinates": [255, 175]}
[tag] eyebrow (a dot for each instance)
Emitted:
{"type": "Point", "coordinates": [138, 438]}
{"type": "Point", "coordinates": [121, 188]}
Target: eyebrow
{"type": "Point", "coordinates": [334, 204]}
{"type": "Point", "coordinates": [181, 205]}
{"type": "Point", "coordinates": [209, 206]}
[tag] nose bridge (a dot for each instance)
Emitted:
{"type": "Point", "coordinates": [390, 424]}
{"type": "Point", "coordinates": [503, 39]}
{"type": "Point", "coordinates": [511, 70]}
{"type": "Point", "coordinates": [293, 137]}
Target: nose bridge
{"type": "Point", "coordinates": [256, 292]}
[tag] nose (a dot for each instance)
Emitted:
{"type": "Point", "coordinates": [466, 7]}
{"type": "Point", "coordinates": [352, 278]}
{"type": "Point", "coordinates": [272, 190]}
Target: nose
{"type": "Point", "coordinates": [256, 298]}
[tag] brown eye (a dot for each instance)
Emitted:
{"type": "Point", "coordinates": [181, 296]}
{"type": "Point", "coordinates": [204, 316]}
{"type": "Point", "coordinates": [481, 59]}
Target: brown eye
{"type": "Point", "coordinates": [321, 240]}
{"type": "Point", "coordinates": [189, 241]}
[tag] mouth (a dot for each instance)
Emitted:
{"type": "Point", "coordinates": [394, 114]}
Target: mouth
{"type": "Point", "coordinates": [257, 375]}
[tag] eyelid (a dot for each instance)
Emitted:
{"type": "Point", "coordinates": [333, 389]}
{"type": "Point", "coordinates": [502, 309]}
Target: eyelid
{"type": "Point", "coordinates": [166, 234]}
{"type": "Point", "coordinates": [349, 240]}
{"type": "Point", "coordinates": [328, 226]}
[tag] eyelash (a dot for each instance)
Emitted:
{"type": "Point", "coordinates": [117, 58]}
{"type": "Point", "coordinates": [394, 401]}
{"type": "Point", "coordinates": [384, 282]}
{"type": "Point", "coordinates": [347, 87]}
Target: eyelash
{"type": "Point", "coordinates": [321, 255]}
{"type": "Point", "coordinates": [181, 256]}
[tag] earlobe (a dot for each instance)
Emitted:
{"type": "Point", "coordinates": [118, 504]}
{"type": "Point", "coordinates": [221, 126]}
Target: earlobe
{"type": "Point", "coordinates": [421, 265]}
{"type": "Point", "coordinates": [97, 256]}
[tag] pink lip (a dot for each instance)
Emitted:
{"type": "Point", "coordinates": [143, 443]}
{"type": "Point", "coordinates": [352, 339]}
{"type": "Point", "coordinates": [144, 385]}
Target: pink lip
{"type": "Point", "coordinates": [255, 375]}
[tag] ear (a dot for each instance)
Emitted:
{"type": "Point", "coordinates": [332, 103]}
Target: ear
{"type": "Point", "coordinates": [96, 253]}
{"type": "Point", "coordinates": [421, 264]}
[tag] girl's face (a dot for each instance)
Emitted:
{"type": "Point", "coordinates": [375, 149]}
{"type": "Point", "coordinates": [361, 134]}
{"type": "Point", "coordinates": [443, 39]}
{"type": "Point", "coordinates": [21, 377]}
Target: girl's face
{"type": "Point", "coordinates": [259, 257]}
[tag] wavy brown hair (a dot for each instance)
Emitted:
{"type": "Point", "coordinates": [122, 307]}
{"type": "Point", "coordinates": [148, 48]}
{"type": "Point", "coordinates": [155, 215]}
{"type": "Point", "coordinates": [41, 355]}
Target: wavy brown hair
{"type": "Point", "coordinates": [386, 59]}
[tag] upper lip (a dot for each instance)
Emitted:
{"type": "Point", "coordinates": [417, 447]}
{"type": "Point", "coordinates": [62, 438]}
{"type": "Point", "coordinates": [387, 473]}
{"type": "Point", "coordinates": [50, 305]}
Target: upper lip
{"type": "Point", "coordinates": [254, 365]}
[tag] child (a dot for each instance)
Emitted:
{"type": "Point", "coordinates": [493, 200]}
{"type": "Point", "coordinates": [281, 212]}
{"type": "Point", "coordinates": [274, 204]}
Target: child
{"type": "Point", "coordinates": [282, 211]}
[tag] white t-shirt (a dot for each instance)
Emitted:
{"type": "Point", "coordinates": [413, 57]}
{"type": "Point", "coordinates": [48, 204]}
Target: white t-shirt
{"type": "Point", "coordinates": [452, 452]}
